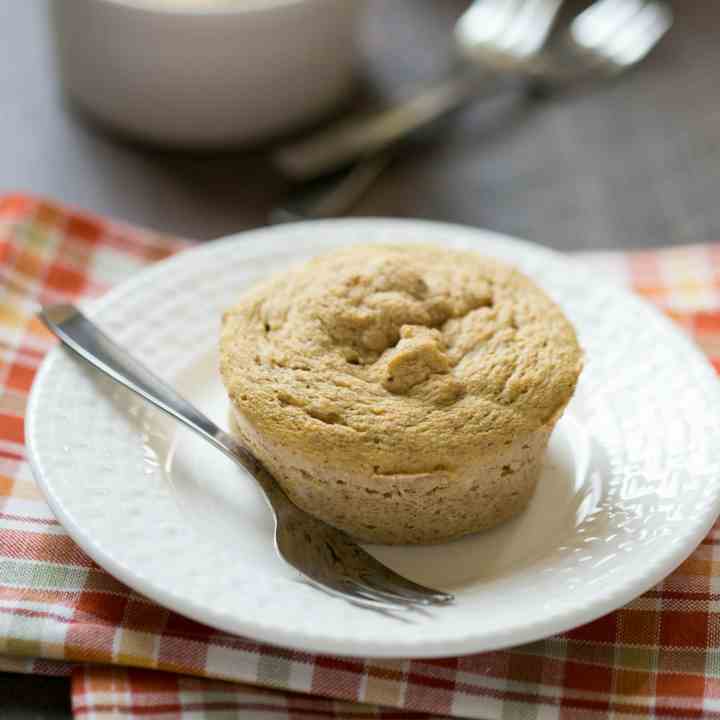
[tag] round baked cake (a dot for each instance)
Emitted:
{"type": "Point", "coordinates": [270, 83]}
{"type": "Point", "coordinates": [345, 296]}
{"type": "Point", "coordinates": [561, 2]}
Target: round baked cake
{"type": "Point", "coordinates": [404, 394]}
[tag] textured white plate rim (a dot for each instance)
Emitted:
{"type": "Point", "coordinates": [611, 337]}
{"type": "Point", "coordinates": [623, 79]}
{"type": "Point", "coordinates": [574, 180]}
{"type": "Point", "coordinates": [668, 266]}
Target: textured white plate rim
{"type": "Point", "coordinates": [279, 634]}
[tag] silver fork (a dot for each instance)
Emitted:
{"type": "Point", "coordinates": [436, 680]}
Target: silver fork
{"type": "Point", "coordinates": [323, 555]}
{"type": "Point", "coordinates": [608, 38]}
{"type": "Point", "coordinates": [492, 37]}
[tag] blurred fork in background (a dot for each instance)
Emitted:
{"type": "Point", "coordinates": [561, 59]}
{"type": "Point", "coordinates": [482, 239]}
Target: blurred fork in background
{"type": "Point", "coordinates": [610, 37]}
{"type": "Point", "coordinates": [493, 39]}
{"type": "Point", "coordinates": [606, 39]}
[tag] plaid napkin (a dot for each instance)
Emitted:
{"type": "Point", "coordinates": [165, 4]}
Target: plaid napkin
{"type": "Point", "coordinates": [62, 614]}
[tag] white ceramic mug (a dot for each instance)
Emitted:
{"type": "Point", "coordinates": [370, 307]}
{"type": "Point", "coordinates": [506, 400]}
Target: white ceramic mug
{"type": "Point", "coordinates": [203, 73]}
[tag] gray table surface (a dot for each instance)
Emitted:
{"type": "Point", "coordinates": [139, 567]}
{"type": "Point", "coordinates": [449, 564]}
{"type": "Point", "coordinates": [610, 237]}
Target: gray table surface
{"type": "Point", "coordinates": [631, 164]}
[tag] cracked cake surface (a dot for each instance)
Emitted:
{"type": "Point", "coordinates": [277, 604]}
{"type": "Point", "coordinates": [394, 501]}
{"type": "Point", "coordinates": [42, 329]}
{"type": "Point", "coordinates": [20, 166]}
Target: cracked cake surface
{"type": "Point", "coordinates": [396, 365]}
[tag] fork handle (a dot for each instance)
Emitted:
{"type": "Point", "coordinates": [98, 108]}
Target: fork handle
{"type": "Point", "coordinates": [338, 145]}
{"type": "Point", "coordinates": [83, 337]}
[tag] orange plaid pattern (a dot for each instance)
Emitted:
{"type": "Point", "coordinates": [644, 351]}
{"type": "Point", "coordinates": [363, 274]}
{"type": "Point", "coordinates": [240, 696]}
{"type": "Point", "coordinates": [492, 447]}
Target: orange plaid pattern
{"type": "Point", "coordinates": [658, 656]}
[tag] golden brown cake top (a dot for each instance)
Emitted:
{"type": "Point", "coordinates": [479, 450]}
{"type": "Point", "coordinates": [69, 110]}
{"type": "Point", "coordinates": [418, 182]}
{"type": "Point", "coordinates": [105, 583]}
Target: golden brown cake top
{"type": "Point", "coordinates": [402, 357]}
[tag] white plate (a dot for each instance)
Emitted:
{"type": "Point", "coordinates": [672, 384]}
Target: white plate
{"type": "Point", "coordinates": [630, 485]}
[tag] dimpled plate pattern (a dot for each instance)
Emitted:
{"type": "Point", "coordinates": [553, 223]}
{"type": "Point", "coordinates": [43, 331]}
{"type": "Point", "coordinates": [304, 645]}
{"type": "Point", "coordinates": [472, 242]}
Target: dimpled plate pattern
{"type": "Point", "coordinates": [630, 485]}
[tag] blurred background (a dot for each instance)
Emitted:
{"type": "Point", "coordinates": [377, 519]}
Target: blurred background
{"type": "Point", "coordinates": [628, 163]}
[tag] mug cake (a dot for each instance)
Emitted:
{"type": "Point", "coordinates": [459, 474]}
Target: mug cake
{"type": "Point", "coordinates": [404, 394]}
